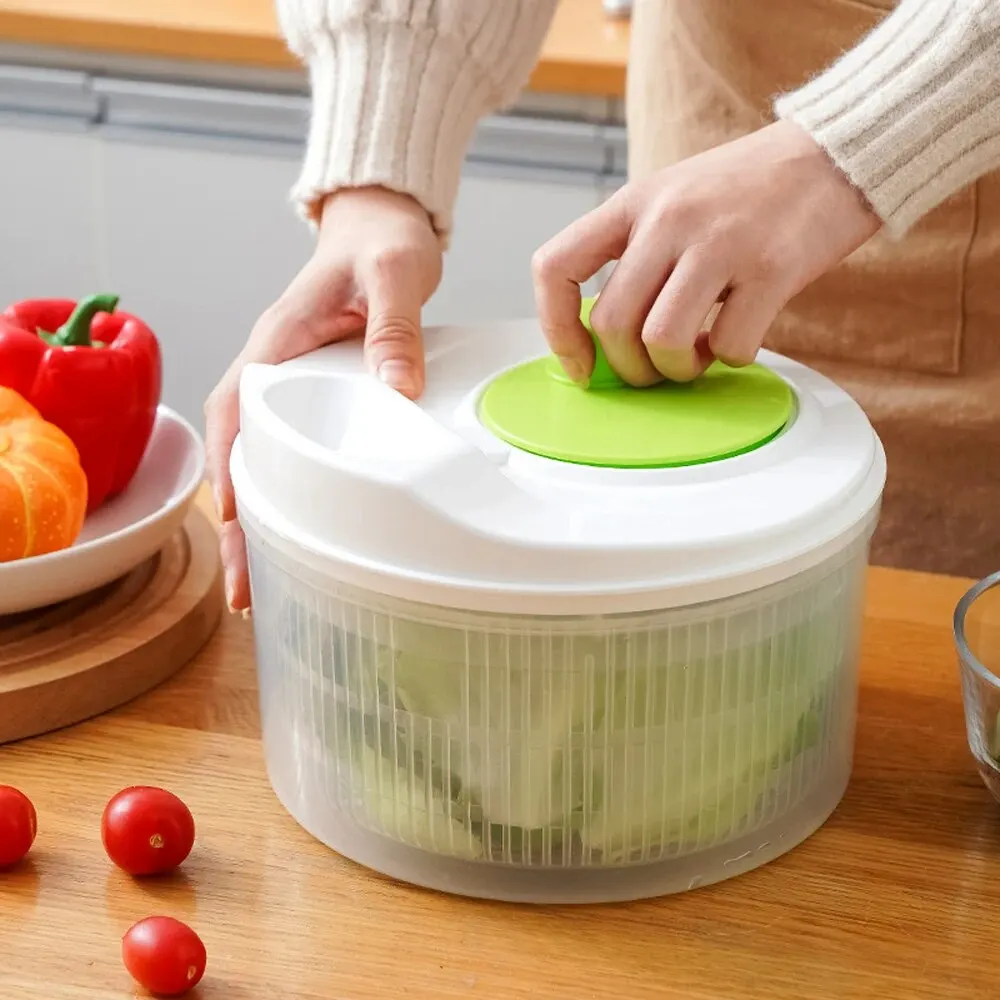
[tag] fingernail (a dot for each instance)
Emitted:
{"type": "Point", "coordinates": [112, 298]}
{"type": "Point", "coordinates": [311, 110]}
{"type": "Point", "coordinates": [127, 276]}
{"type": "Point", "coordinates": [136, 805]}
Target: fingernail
{"type": "Point", "coordinates": [230, 594]}
{"type": "Point", "coordinates": [573, 369]}
{"type": "Point", "coordinates": [217, 500]}
{"type": "Point", "coordinates": [397, 374]}
{"type": "Point", "coordinates": [247, 613]}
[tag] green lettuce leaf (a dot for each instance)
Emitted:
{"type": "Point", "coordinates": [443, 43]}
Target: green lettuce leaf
{"type": "Point", "coordinates": [412, 812]}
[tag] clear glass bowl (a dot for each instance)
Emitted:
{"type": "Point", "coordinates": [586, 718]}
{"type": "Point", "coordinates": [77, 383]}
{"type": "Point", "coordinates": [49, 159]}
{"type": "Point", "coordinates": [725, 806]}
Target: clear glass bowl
{"type": "Point", "coordinates": [977, 638]}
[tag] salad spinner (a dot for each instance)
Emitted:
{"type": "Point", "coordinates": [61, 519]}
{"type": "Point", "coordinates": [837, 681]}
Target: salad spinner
{"type": "Point", "coordinates": [534, 641]}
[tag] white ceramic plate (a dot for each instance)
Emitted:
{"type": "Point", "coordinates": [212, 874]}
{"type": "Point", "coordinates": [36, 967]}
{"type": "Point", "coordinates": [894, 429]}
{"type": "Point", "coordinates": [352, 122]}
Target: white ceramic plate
{"type": "Point", "coordinates": [122, 533]}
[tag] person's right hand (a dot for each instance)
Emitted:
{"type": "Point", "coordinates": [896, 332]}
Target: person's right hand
{"type": "Point", "coordinates": [377, 261]}
{"type": "Point", "coordinates": [747, 224]}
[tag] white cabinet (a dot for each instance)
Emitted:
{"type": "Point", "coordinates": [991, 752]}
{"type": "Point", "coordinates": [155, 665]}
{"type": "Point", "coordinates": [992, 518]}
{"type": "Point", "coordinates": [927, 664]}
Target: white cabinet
{"type": "Point", "coordinates": [200, 236]}
{"type": "Point", "coordinates": [175, 197]}
{"type": "Point", "coordinates": [502, 216]}
{"type": "Point", "coordinates": [49, 164]}
{"type": "Point", "coordinates": [48, 185]}
{"type": "Point", "coordinates": [526, 179]}
{"type": "Point", "coordinates": [200, 240]}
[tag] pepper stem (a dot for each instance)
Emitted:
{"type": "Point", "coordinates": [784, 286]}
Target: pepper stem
{"type": "Point", "coordinates": [75, 332]}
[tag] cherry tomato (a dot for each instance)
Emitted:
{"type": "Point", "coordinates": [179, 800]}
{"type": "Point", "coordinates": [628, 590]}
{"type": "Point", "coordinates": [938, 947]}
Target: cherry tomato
{"type": "Point", "coordinates": [164, 955]}
{"type": "Point", "coordinates": [18, 825]}
{"type": "Point", "coordinates": [147, 830]}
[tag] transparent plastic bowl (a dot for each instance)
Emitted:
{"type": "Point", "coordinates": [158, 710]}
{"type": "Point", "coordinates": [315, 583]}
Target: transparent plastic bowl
{"type": "Point", "coordinates": [558, 760]}
{"type": "Point", "coordinates": [977, 638]}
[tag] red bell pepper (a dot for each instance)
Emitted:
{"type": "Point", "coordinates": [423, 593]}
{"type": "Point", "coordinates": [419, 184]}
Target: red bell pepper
{"type": "Point", "coordinates": [94, 373]}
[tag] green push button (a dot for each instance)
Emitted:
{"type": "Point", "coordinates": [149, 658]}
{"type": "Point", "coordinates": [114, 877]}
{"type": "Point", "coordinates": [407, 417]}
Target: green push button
{"type": "Point", "coordinates": [725, 412]}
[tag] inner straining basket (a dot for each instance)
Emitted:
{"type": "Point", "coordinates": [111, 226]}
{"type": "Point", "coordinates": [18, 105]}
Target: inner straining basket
{"type": "Point", "coordinates": [655, 741]}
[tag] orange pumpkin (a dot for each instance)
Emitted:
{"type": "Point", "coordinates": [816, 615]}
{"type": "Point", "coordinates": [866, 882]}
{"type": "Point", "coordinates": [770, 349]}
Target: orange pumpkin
{"type": "Point", "coordinates": [43, 488]}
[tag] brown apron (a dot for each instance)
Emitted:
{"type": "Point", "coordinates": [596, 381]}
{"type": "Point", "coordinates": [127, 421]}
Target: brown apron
{"type": "Point", "coordinates": [911, 329]}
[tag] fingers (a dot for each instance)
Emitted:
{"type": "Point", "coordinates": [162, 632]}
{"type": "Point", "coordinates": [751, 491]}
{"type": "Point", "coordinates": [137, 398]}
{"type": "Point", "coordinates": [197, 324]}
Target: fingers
{"type": "Point", "coordinates": [316, 309]}
{"type": "Point", "coordinates": [393, 343]}
{"type": "Point", "coordinates": [621, 311]}
{"type": "Point", "coordinates": [652, 319]}
{"type": "Point", "coordinates": [275, 338]}
{"type": "Point", "coordinates": [670, 333]}
{"type": "Point", "coordinates": [222, 424]}
{"type": "Point", "coordinates": [743, 322]}
{"type": "Point", "coordinates": [281, 333]}
{"type": "Point", "coordinates": [233, 549]}
{"type": "Point", "coordinates": [377, 261]}
{"type": "Point", "coordinates": [561, 266]}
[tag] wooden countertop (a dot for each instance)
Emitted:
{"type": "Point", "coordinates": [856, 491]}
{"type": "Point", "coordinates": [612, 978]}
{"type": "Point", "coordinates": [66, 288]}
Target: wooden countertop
{"type": "Point", "coordinates": [585, 52]}
{"type": "Point", "coordinates": [896, 897]}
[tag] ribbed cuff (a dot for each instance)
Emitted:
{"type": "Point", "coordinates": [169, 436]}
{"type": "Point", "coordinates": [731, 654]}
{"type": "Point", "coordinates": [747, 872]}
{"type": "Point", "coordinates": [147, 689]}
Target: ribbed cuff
{"type": "Point", "coordinates": [912, 114]}
{"type": "Point", "coordinates": [393, 106]}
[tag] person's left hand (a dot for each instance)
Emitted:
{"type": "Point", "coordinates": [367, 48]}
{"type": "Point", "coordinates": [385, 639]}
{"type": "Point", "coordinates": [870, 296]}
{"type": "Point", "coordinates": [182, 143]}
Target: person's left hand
{"type": "Point", "coordinates": [748, 224]}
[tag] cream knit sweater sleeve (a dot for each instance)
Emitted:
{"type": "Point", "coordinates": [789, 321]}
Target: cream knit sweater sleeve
{"type": "Point", "coordinates": [399, 85]}
{"type": "Point", "coordinates": [912, 114]}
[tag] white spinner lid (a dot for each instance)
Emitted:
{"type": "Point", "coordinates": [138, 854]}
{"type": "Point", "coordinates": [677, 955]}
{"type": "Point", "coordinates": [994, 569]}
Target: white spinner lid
{"type": "Point", "coordinates": [421, 501]}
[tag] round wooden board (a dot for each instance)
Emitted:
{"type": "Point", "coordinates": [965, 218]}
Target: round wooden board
{"type": "Point", "coordinates": [75, 660]}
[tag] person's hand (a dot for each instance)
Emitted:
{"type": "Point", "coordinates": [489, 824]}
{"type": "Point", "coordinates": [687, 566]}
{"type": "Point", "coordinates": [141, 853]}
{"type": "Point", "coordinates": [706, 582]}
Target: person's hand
{"type": "Point", "coordinates": [748, 224]}
{"type": "Point", "coordinates": [377, 261]}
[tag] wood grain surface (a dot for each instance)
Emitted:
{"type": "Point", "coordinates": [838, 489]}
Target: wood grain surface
{"type": "Point", "coordinates": [81, 657]}
{"type": "Point", "coordinates": [585, 52]}
{"type": "Point", "coordinates": [897, 896]}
